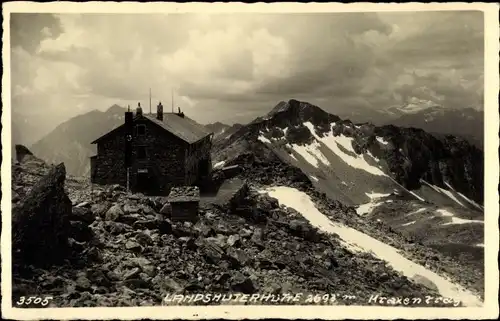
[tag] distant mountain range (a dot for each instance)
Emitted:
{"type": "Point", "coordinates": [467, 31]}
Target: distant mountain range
{"type": "Point", "coordinates": [467, 123]}
{"type": "Point", "coordinates": [223, 131]}
{"type": "Point", "coordinates": [412, 199]}
{"type": "Point", "coordinates": [349, 160]}
{"type": "Point", "coordinates": [70, 141]}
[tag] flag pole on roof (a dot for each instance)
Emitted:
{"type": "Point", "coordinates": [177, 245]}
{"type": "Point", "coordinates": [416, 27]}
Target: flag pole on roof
{"type": "Point", "coordinates": [150, 100]}
{"type": "Point", "coordinates": [172, 99]}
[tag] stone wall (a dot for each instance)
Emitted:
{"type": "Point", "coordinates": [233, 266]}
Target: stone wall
{"type": "Point", "coordinates": [197, 154]}
{"type": "Point", "coordinates": [184, 211]}
{"type": "Point", "coordinates": [110, 160]}
{"type": "Point", "coordinates": [164, 161]}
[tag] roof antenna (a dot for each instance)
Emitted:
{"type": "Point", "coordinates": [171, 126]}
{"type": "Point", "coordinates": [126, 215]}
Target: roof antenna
{"type": "Point", "coordinates": [172, 100]}
{"type": "Point", "coordinates": [150, 100]}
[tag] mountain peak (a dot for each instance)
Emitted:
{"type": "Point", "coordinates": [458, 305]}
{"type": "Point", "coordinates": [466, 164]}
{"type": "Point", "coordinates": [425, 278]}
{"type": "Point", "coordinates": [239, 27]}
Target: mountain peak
{"type": "Point", "coordinates": [115, 109]}
{"type": "Point", "coordinates": [292, 104]}
{"type": "Point", "coordinates": [297, 112]}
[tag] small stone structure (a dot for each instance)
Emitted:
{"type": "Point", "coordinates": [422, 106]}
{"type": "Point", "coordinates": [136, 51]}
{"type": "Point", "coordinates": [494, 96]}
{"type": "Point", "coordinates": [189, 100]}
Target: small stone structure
{"type": "Point", "coordinates": [184, 203]}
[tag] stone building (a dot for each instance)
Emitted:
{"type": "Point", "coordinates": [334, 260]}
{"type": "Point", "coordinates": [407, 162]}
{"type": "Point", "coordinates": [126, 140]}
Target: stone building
{"type": "Point", "coordinates": [184, 203]}
{"type": "Point", "coordinates": [167, 150]}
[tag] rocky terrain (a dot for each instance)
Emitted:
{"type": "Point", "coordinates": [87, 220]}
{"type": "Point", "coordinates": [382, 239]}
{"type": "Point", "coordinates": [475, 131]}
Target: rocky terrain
{"type": "Point", "coordinates": [120, 251]}
{"type": "Point", "coordinates": [308, 216]}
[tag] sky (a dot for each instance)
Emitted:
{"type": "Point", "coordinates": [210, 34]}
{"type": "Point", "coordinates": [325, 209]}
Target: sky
{"type": "Point", "coordinates": [235, 67]}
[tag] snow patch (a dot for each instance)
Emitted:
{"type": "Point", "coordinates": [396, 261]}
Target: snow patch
{"type": "Point", "coordinates": [359, 241]}
{"type": "Point", "coordinates": [375, 158]}
{"type": "Point", "coordinates": [368, 207]}
{"type": "Point", "coordinates": [480, 245]}
{"type": "Point", "coordinates": [456, 220]}
{"type": "Point", "coordinates": [219, 164]}
{"type": "Point", "coordinates": [333, 142]}
{"type": "Point", "coordinates": [466, 198]}
{"type": "Point", "coordinates": [377, 195]}
{"type": "Point", "coordinates": [382, 141]}
{"type": "Point", "coordinates": [420, 210]}
{"type": "Point", "coordinates": [311, 153]}
{"type": "Point", "coordinates": [314, 178]}
{"type": "Point", "coordinates": [264, 140]}
{"type": "Point", "coordinates": [444, 191]}
{"type": "Point", "coordinates": [412, 193]}
{"type": "Point", "coordinates": [409, 223]}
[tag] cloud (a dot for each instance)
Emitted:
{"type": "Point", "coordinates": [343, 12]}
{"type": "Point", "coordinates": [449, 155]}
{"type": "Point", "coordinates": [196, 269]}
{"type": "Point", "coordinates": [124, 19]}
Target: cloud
{"type": "Point", "coordinates": [27, 30]}
{"type": "Point", "coordinates": [238, 66]}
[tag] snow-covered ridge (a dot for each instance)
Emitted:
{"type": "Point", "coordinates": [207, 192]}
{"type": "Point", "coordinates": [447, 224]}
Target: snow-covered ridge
{"type": "Point", "coordinates": [311, 153]}
{"type": "Point", "coordinates": [443, 191]}
{"type": "Point", "coordinates": [476, 205]}
{"type": "Point", "coordinates": [407, 190]}
{"type": "Point", "coordinates": [333, 142]}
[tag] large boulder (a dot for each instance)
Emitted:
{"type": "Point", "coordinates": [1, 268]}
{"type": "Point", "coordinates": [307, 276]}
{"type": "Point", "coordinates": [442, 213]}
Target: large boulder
{"type": "Point", "coordinates": [40, 223]}
{"type": "Point", "coordinates": [22, 152]}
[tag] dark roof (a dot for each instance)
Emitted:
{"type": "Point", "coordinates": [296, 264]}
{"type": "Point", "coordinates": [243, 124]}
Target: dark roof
{"type": "Point", "coordinates": [185, 128]}
{"type": "Point", "coordinates": [182, 127]}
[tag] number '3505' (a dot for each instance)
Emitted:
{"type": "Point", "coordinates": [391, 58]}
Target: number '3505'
{"type": "Point", "coordinates": [43, 301]}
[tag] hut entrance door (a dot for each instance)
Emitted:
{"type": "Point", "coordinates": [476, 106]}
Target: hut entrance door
{"type": "Point", "coordinates": [203, 168]}
{"type": "Point", "coordinates": [146, 183]}
{"type": "Point", "coordinates": [203, 180]}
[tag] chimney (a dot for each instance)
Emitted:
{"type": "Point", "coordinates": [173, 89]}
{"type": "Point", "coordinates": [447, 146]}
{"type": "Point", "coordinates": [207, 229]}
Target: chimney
{"type": "Point", "coordinates": [139, 109]}
{"type": "Point", "coordinates": [159, 112]}
{"type": "Point", "coordinates": [180, 113]}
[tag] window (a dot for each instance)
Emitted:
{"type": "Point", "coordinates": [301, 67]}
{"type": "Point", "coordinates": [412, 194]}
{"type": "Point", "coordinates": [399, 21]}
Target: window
{"type": "Point", "coordinates": [141, 152]}
{"type": "Point", "coordinates": [141, 130]}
